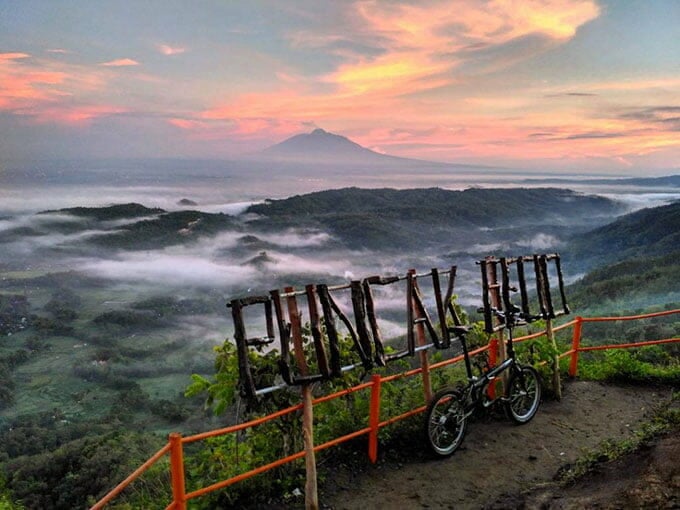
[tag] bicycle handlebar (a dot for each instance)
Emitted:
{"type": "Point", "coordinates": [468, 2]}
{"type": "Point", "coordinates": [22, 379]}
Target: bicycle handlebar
{"type": "Point", "coordinates": [515, 313]}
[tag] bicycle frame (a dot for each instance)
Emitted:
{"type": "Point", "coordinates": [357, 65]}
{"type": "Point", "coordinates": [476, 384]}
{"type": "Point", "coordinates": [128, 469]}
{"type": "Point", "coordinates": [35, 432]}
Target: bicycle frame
{"type": "Point", "coordinates": [477, 384]}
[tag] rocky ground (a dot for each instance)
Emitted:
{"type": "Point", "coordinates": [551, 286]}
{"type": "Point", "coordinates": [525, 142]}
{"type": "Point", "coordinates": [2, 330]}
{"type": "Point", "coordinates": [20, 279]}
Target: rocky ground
{"type": "Point", "coordinates": [501, 465]}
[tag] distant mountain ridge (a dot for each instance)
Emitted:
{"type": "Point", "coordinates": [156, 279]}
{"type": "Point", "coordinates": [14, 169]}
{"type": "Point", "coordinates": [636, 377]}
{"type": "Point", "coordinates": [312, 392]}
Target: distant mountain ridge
{"type": "Point", "coordinates": [665, 181]}
{"type": "Point", "coordinates": [320, 146]}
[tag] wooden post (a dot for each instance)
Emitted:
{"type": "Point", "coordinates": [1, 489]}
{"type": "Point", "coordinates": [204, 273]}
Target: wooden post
{"type": "Point", "coordinates": [555, 361]}
{"type": "Point", "coordinates": [575, 345]}
{"type": "Point", "coordinates": [177, 472]}
{"type": "Point", "coordinates": [315, 325]}
{"type": "Point", "coordinates": [246, 381]}
{"type": "Point", "coordinates": [493, 356]}
{"type": "Point", "coordinates": [374, 418]}
{"type": "Point", "coordinates": [311, 492]}
{"type": "Point", "coordinates": [421, 338]}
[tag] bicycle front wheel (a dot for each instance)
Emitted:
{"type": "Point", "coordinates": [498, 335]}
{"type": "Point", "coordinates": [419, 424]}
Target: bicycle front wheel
{"type": "Point", "coordinates": [445, 421]}
{"type": "Point", "coordinates": [524, 394]}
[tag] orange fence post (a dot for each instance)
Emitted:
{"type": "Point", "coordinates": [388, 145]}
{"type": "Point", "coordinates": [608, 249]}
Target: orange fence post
{"type": "Point", "coordinates": [374, 418]}
{"type": "Point", "coordinates": [177, 472]}
{"type": "Point", "coordinates": [575, 345]}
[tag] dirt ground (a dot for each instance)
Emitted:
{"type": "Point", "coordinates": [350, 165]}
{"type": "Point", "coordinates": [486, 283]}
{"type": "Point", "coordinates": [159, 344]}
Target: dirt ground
{"type": "Point", "coordinates": [501, 465]}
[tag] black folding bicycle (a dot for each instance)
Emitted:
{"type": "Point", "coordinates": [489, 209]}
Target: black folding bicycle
{"type": "Point", "coordinates": [448, 412]}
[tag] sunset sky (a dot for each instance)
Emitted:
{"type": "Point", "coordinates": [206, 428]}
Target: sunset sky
{"type": "Point", "coordinates": [560, 85]}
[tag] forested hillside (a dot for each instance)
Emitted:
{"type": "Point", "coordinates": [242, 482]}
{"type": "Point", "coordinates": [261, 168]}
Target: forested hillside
{"type": "Point", "coordinates": [645, 233]}
{"type": "Point", "coordinates": [632, 262]}
{"type": "Point", "coordinates": [403, 219]}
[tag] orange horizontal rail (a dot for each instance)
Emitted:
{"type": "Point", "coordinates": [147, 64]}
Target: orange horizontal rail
{"type": "Point", "coordinates": [629, 345]}
{"type": "Point", "coordinates": [342, 393]}
{"type": "Point", "coordinates": [458, 358]}
{"type": "Point", "coordinates": [241, 426]}
{"type": "Point", "coordinates": [407, 414]}
{"type": "Point", "coordinates": [244, 476]}
{"type": "Point", "coordinates": [566, 353]}
{"type": "Point", "coordinates": [135, 474]}
{"type": "Point", "coordinates": [631, 317]}
{"type": "Point", "coordinates": [268, 467]}
{"type": "Point", "coordinates": [543, 333]}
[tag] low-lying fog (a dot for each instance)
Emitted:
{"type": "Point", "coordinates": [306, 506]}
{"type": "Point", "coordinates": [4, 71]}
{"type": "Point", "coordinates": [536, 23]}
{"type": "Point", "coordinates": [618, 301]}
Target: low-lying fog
{"type": "Point", "coordinates": [225, 264]}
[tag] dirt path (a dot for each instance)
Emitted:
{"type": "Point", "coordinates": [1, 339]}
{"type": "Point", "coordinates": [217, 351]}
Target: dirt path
{"type": "Point", "coordinates": [500, 458]}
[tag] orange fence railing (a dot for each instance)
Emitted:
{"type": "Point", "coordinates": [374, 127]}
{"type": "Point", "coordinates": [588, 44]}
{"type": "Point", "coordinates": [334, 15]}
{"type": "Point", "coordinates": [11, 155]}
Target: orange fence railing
{"type": "Point", "coordinates": [175, 445]}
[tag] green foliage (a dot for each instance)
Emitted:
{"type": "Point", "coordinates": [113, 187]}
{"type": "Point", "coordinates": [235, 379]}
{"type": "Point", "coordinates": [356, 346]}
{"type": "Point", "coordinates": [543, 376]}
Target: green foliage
{"type": "Point", "coordinates": [6, 500]}
{"type": "Point", "coordinates": [76, 472]}
{"type": "Point", "coordinates": [113, 212]}
{"type": "Point", "coordinates": [129, 319]}
{"type": "Point", "coordinates": [14, 313]}
{"type": "Point", "coordinates": [6, 386]}
{"type": "Point", "coordinates": [62, 305]}
{"type": "Point", "coordinates": [167, 229]}
{"type": "Point", "coordinates": [645, 365]}
{"type": "Point", "coordinates": [622, 285]}
{"type": "Point", "coordinates": [226, 456]}
{"type": "Point", "coordinates": [221, 391]}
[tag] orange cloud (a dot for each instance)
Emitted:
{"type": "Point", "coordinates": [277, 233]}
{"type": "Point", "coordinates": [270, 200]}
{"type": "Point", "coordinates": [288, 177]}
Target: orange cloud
{"type": "Point", "coordinates": [121, 62]}
{"type": "Point", "coordinates": [13, 56]}
{"type": "Point", "coordinates": [170, 50]}
{"type": "Point", "coordinates": [417, 49]}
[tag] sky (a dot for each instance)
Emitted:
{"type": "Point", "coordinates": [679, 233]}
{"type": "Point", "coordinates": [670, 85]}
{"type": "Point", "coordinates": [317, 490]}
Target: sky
{"type": "Point", "coordinates": [560, 85]}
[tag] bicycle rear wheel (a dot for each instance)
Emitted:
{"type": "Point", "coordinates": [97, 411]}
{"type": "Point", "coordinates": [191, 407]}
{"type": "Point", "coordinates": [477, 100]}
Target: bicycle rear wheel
{"type": "Point", "coordinates": [523, 395]}
{"type": "Point", "coordinates": [446, 422]}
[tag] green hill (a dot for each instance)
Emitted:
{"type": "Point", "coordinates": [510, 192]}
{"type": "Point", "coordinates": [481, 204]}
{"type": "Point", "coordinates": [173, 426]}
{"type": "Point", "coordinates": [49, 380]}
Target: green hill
{"type": "Point", "coordinates": [632, 284]}
{"type": "Point", "coordinates": [645, 233]}
{"type": "Point", "coordinates": [397, 219]}
{"type": "Point", "coordinates": [112, 212]}
{"type": "Point", "coordinates": [633, 262]}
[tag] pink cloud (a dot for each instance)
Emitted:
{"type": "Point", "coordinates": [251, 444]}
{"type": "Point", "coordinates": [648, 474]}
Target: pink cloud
{"type": "Point", "coordinates": [258, 129]}
{"type": "Point", "coordinates": [121, 62]}
{"type": "Point", "coordinates": [76, 114]}
{"type": "Point", "coordinates": [46, 91]}
{"type": "Point", "coordinates": [22, 85]}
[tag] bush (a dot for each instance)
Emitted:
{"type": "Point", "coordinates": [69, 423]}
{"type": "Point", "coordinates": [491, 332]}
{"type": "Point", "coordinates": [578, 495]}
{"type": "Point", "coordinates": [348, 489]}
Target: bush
{"type": "Point", "coordinates": [76, 473]}
{"type": "Point", "coordinates": [644, 365]}
{"type": "Point", "coordinates": [6, 387]}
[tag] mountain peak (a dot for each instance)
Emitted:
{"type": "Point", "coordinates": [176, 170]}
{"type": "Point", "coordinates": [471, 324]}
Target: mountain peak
{"type": "Point", "coordinates": [322, 146]}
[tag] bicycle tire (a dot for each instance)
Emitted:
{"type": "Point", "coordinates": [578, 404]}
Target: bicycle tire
{"type": "Point", "coordinates": [445, 421]}
{"type": "Point", "coordinates": [523, 395]}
